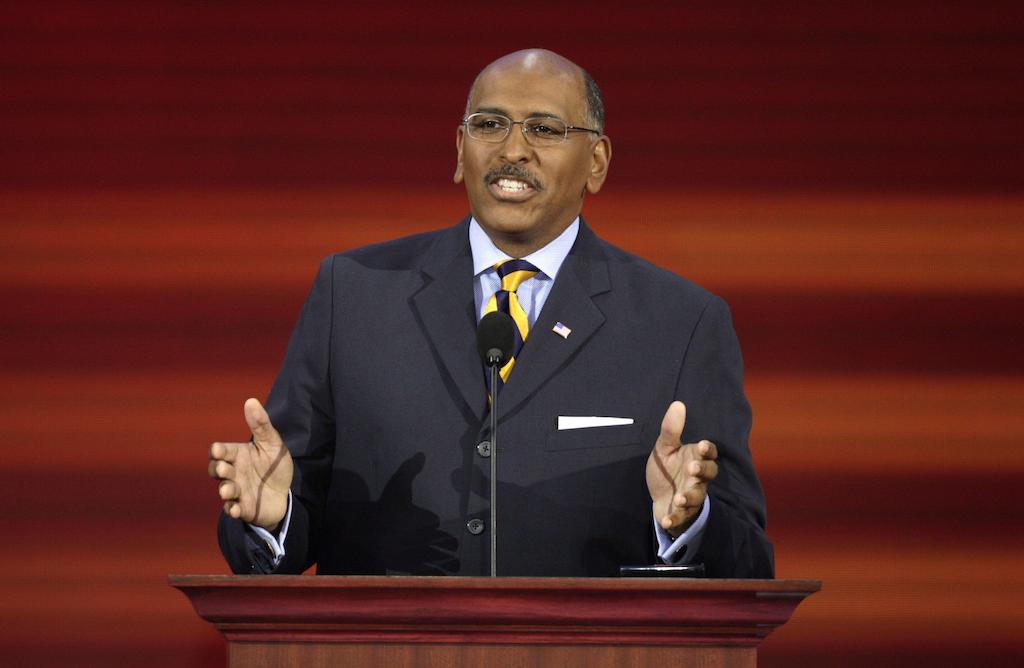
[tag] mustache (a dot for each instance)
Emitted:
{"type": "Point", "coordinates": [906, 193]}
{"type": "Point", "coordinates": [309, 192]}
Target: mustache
{"type": "Point", "coordinates": [513, 172]}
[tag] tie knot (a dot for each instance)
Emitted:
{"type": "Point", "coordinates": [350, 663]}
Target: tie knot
{"type": "Point", "coordinates": [514, 272]}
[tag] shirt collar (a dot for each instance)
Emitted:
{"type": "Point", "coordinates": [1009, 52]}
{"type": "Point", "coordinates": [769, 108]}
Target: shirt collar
{"type": "Point", "coordinates": [548, 259]}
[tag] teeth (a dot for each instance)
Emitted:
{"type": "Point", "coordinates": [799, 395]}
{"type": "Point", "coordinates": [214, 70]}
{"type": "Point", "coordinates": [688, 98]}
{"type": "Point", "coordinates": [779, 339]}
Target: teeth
{"type": "Point", "coordinates": [512, 185]}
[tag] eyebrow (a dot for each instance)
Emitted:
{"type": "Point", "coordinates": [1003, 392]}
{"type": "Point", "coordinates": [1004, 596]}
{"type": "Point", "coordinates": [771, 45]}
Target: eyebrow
{"type": "Point", "coordinates": [532, 114]}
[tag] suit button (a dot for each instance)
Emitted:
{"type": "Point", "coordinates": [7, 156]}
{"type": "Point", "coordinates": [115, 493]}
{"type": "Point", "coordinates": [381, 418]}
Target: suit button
{"type": "Point", "coordinates": [484, 449]}
{"type": "Point", "coordinates": [475, 526]}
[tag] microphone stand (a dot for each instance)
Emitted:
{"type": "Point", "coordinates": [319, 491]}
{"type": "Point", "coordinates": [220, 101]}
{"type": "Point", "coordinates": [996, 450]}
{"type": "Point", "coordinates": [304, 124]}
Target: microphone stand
{"type": "Point", "coordinates": [495, 379]}
{"type": "Point", "coordinates": [495, 339]}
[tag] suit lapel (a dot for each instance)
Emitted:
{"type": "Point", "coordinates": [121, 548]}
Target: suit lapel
{"type": "Point", "coordinates": [583, 275]}
{"type": "Point", "coordinates": [445, 307]}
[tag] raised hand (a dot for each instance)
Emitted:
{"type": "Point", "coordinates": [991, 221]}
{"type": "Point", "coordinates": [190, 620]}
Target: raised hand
{"type": "Point", "coordinates": [255, 476]}
{"type": "Point", "coordinates": [677, 474]}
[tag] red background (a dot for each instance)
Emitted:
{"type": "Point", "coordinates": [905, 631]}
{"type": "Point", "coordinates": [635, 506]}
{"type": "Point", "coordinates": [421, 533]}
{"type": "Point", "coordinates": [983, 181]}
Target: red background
{"type": "Point", "coordinates": [847, 175]}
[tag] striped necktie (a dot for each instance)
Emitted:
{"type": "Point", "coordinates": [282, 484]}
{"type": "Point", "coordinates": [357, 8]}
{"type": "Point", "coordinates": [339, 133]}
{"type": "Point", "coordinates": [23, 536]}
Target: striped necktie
{"type": "Point", "coordinates": [512, 274]}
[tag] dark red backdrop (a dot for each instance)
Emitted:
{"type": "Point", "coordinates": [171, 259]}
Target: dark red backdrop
{"type": "Point", "coordinates": [847, 176]}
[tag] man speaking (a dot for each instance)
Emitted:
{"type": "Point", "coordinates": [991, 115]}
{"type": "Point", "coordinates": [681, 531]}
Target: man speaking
{"type": "Point", "coordinates": [622, 423]}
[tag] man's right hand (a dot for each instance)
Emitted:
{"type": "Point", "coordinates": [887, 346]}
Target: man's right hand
{"type": "Point", "coordinates": [255, 476]}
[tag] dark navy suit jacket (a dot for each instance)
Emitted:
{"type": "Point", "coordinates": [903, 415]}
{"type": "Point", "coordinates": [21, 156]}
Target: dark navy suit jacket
{"type": "Point", "coordinates": [381, 401]}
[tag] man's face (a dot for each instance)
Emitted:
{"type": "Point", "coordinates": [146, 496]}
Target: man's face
{"type": "Point", "coordinates": [522, 195]}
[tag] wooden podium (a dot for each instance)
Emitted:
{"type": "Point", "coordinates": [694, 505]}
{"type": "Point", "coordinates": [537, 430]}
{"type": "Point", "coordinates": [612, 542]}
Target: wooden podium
{"type": "Point", "coordinates": [282, 620]}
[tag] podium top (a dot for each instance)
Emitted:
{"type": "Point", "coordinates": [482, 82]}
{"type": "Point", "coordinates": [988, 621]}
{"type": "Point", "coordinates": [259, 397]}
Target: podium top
{"type": "Point", "coordinates": [669, 611]}
{"type": "Point", "coordinates": [182, 582]}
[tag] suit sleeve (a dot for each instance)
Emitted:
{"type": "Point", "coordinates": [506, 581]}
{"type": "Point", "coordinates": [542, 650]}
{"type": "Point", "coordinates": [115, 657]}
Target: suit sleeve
{"type": "Point", "coordinates": [734, 543]}
{"type": "Point", "coordinates": [301, 408]}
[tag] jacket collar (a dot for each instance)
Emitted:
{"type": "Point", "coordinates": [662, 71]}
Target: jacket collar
{"type": "Point", "coordinates": [445, 307]}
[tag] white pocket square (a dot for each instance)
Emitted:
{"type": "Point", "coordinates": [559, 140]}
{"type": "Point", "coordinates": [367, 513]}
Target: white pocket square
{"type": "Point", "coordinates": [584, 421]}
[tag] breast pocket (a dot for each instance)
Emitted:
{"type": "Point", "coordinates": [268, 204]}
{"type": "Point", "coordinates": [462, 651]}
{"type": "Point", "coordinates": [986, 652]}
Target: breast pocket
{"type": "Point", "coordinates": [595, 437]}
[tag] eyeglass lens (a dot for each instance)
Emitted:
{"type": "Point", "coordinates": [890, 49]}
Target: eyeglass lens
{"type": "Point", "coordinates": [495, 127]}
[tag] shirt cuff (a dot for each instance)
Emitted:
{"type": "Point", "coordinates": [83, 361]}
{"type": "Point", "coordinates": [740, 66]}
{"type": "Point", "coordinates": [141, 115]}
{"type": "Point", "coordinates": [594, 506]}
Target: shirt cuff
{"type": "Point", "coordinates": [683, 549]}
{"type": "Point", "coordinates": [276, 543]}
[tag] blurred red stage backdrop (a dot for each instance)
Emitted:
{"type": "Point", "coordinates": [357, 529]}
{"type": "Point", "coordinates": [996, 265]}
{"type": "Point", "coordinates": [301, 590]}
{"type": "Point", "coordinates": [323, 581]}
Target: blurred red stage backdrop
{"type": "Point", "coordinates": [847, 176]}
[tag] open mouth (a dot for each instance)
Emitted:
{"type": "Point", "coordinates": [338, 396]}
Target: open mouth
{"type": "Point", "coordinates": [511, 188]}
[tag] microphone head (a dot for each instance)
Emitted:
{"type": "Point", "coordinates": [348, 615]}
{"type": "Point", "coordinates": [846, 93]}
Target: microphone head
{"type": "Point", "coordinates": [495, 338]}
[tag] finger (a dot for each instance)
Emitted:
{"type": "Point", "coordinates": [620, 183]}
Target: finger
{"type": "Point", "coordinates": [256, 417]}
{"type": "Point", "coordinates": [670, 520]}
{"type": "Point", "coordinates": [228, 490]}
{"type": "Point", "coordinates": [225, 451]}
{"type": "Point", "coordinates": [221, 470]}
{"type": "Point", "coordinates": [707, 450]}
{"type": "Point", "coordinates": [233, 509]}
{"type": "Point", "coordinates": [676, 518]}
{"type": "Point", "coordinates": [671, 428]}
{"type": "Point", "coordinates": [703, 469]}
{"type": "Point", "coordinates": [690, 498]}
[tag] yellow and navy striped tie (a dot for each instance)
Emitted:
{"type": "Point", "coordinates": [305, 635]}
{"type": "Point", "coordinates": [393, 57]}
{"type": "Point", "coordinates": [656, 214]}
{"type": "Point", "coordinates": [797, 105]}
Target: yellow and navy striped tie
{"type": "Point", "coordinates": [512, 274]}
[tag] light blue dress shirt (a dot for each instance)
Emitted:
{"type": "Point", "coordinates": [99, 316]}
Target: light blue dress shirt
{"type": "Point", "coordinates": [531, 293]}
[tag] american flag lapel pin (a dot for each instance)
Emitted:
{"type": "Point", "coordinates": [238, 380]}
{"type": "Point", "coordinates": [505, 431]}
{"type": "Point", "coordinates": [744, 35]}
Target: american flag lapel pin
{"type": "Point", "coordinates": [561, 330]}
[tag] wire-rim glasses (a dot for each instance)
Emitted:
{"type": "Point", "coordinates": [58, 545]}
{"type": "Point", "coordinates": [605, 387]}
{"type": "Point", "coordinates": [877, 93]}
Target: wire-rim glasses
{"type": "Point", "coordinates": [538, 130]}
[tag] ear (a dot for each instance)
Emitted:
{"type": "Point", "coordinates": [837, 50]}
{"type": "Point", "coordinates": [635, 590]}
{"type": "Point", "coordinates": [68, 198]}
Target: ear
{"type": "Point", "coordinates": [458, 152]}
{"type": "Point", "coordinates": [600, 156]}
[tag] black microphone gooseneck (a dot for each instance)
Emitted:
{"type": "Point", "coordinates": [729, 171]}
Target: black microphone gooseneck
{"type": "Point", "coordinates": [494, 341]}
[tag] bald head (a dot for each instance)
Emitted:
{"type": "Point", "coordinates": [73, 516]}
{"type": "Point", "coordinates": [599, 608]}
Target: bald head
{"type": "Point", "coordinates": [549, 63]}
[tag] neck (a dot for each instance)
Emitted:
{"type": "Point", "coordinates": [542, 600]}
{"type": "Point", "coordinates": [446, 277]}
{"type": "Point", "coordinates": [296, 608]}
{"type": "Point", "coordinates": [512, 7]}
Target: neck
{"type": "Point", "coordinates": [520, 245]}
{"type": "Point", "coordinates": [517, 248]}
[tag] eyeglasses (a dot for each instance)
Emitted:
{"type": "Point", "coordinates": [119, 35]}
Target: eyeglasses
{"type": "Point", "coordinates": [538, 130]}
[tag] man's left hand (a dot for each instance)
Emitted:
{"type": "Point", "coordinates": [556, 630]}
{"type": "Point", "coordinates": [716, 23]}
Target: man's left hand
{"type": "Point", "coordinates": [677, 474]}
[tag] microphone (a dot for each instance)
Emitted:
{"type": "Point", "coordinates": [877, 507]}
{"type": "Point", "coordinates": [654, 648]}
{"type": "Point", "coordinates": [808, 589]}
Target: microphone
{"type": "Point", "coordinates": [494, 341]}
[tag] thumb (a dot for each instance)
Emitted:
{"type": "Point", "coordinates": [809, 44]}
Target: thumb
{"type": "Point", "coordinates": [259, 423]}
{"type": "Point", "coordinates": [670, 438]}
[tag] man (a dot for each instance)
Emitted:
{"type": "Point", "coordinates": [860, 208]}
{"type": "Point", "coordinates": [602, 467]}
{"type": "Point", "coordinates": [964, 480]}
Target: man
{"type": "Point", "coordinates": [372, 455]}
